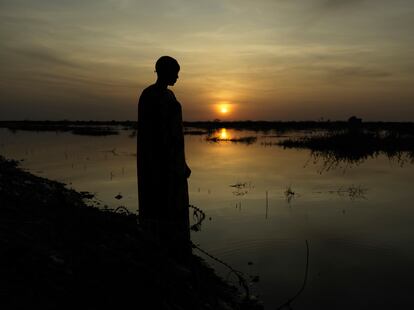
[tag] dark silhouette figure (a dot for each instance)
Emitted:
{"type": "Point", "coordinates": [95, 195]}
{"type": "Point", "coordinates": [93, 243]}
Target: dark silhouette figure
{"type": "Point", "coordinates": [162, 169]}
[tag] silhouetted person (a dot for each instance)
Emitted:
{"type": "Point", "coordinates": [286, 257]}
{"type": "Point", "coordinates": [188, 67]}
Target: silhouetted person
{"type": "Point", "coordinates": [162, 169]}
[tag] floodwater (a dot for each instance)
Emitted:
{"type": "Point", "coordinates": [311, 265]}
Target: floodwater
{"type": "Point", "coordinates": [358, 220]}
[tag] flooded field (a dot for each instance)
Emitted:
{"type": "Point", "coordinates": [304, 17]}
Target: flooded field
{"type": "Point", "coordinates": [262, 203]}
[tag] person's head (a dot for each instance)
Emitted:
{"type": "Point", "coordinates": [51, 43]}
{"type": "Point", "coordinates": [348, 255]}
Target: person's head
{"type": "Point", "coordinates": [167, 69]}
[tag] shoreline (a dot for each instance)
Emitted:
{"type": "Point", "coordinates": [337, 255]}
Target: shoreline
{"type": "Point", "coordinates": [59, 252]}
{"type": "Point", "coordinates": [106, 127]}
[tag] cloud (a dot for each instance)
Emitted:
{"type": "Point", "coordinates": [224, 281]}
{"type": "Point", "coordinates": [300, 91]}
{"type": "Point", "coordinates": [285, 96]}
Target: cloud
{"type": "Point", "coordinates": [358, 72]}
{"type": "Point", "coordinates": [338, 4]}
{"type": "Point", "coordinates": [320, 10]}
{"type": "Point", "coordinates": [44, 55]}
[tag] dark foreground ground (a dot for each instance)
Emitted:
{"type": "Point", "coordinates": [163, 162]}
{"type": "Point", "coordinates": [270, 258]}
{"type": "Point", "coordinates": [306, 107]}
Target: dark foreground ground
{"type": "Point", "coordinates": [58, 253]}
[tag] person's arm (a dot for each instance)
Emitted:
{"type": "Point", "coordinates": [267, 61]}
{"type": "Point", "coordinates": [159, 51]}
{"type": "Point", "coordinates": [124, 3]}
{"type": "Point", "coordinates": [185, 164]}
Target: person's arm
{"type": "Point", "coordinates": [187, 171]}
{"type": "Point", "coordinates": [177, 153]}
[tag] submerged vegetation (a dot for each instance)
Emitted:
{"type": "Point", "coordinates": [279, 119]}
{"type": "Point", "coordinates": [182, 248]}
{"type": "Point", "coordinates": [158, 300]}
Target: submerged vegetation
{"type": "Point", "coordinates": [210, 126]}
{"type": "Point", "coordinates": [280, 127]}
{"type": "Point", "coordinates": [241, 188]}
{"type": "Point", "coordinates": [352, 147]}
{"type": "Point", "coordinates": [94, 131]}
{"type": "Point", "coordinates": [245, 140]}
{"type": "Point", "coordinates": [289, 194]}
{"type": "Point", "coordinates": [194, 132]}
{"type": "Point", "coordinates": [353, 192]}
{"type": "Point", "coordinates": [336, 144]}
{"type": "Point", "coordinates": [91, 128]}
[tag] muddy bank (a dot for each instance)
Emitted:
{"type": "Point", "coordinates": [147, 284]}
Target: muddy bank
{"type": "Point", "coordinates": [57, 252]}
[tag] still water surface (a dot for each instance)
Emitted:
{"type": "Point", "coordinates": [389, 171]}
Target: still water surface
{"type": "Point", "coordinates": [358, 220]}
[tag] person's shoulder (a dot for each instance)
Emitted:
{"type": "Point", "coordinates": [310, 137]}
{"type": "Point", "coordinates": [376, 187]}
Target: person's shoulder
{"type": "Point", "coordinates": [149, 90]}
{"type": "Point", "coordinates": [171, 94]}
{"type": "Point", "coordinates": [148, 94]}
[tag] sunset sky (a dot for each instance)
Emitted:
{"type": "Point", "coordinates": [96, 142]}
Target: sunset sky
{"type": "Point", "coordinates": [240, 59]}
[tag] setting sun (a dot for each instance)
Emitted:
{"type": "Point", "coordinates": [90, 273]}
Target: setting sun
{"type": "Point", "coordinates": [224, 109]}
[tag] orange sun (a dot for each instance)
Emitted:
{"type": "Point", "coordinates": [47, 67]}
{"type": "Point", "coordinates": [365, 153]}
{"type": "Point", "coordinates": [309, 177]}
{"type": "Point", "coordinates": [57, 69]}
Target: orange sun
{"type": "Point", "coordinates": [223, 108]}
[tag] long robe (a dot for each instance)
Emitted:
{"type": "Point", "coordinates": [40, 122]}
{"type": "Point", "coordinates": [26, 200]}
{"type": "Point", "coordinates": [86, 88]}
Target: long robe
{"type": "Point", "coordinates": [162, 182]}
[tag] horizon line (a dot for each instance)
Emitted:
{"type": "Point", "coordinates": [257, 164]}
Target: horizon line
{"type": "Point", "coordinates": [215, 121]}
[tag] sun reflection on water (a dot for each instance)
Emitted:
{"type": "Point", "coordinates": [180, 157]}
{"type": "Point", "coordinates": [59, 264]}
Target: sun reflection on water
{"type": "Point", "coordinates": [224, 135]}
